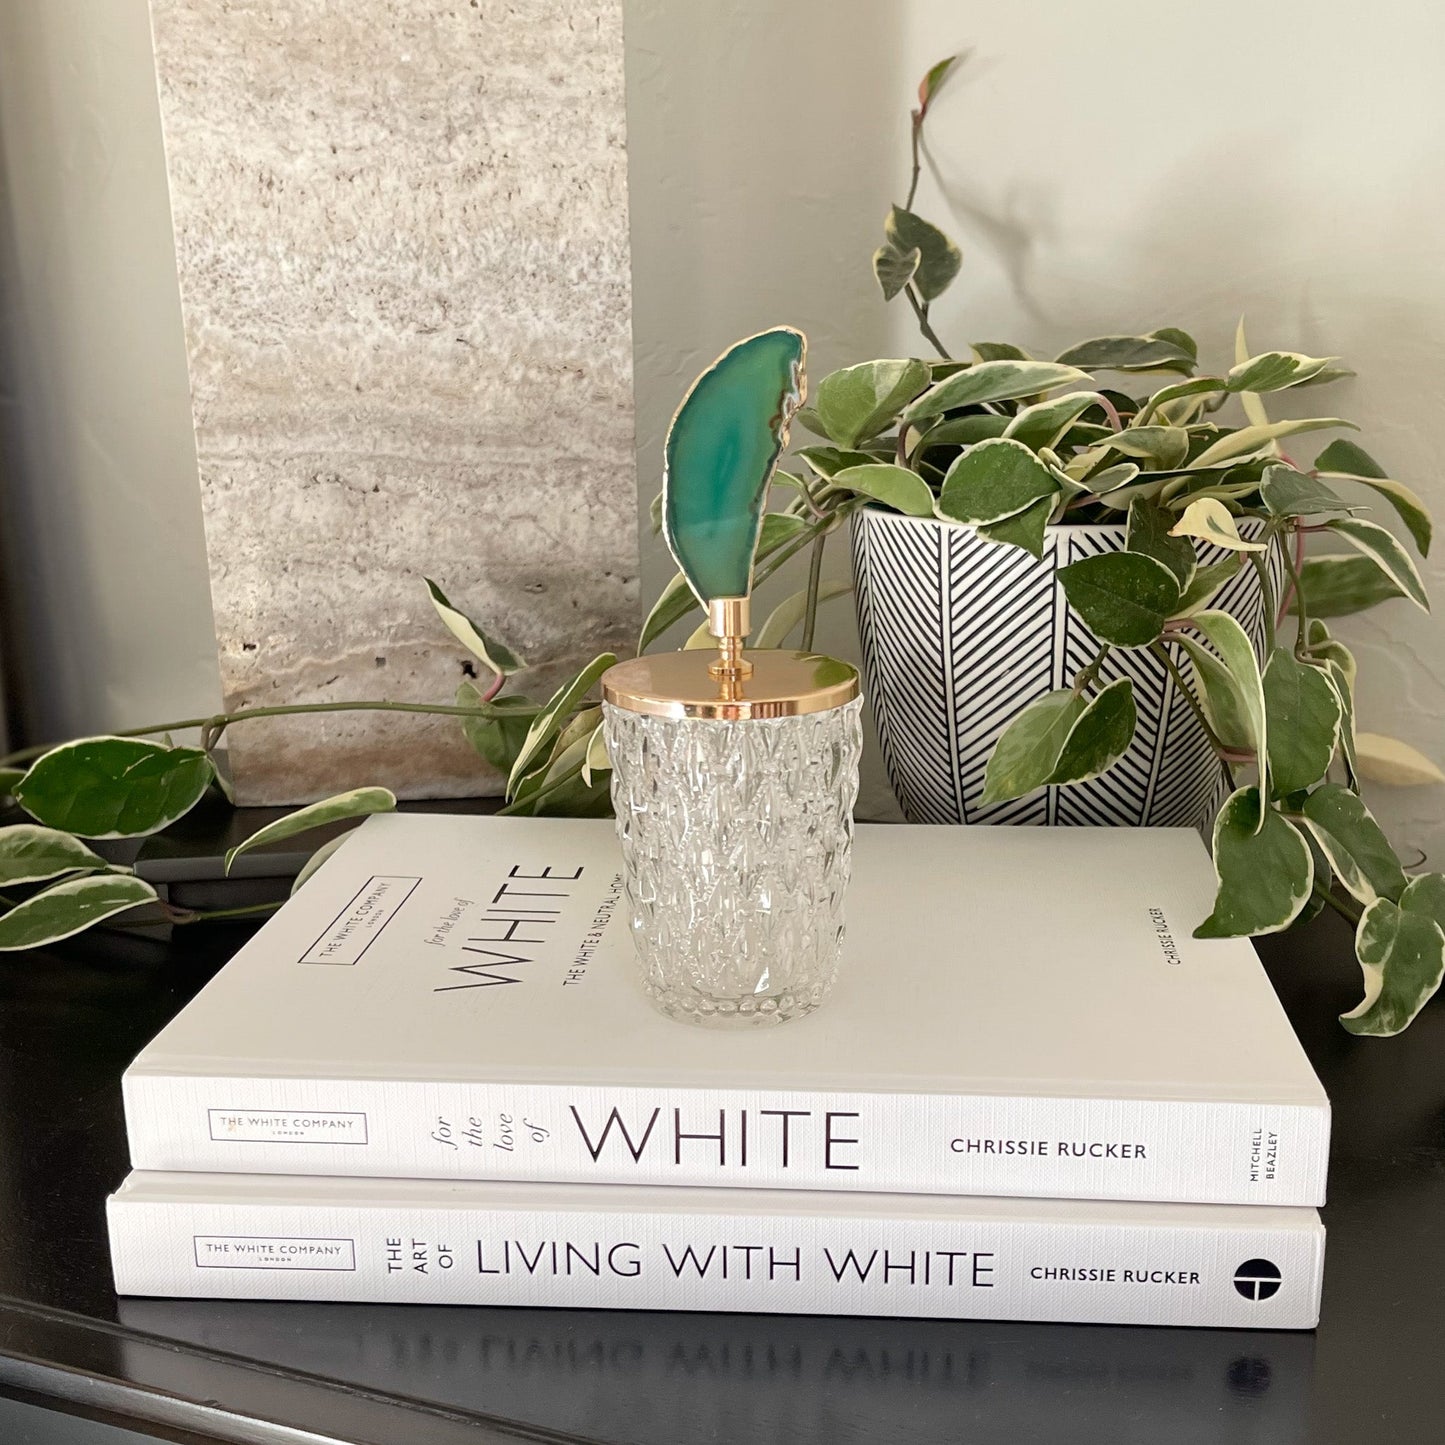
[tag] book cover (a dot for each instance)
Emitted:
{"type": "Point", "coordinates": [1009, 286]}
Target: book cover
{"type": "Point", "coordinates": [753, 1251]}
{"type": "Point", "coordinates": [1019, 1011]}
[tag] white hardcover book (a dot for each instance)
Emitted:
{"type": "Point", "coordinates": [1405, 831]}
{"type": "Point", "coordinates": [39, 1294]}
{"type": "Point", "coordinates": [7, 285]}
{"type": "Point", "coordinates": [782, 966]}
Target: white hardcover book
{"type": "Point", "coordinates": [411, 1241]}
{"type": "Point", "coordinates": [1019, 1011]}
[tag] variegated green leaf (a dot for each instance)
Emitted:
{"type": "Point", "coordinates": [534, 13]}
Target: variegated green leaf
{"type": "Point", "coordinates": [860, 401]}
{"type": "Point", "coordinates": [1288, 493]}
{"type": "Point", "coordinates": [1211, 521]}
{"type": "Point", "coordinates": [898, 487]}
{"type": "Point", "coordinates": [1043, 423]}
{"type": "Point", "coordinates": [827, 462]}
{"type": "Point", "coordinates": [1156, 352]}
{"type": "Point", "coordinates": [894, 269]}
{"type": "Point", "coordinates": [1342, 458]}
{"type": "Point", "coordinates": [1024, 529]}
{"type": "Point", "coordinates": [497, 655]}
{"type": "Point", "coordinates": [70, 907]}
{"type": "Point", "coordinates": [1028, 749]}
{"type": "Point", "coordinates": [114, 787]}
{"type": "Point", "coordinates": [1150, 532]}
{"type": "Point", "coordinates": [1338, 586]}
{"type": "Point", "coordinates": [1264, 866]}
{"type": "Point", "coordinates": [789, 613]}
{"type": "Point", "coordinates": [1352, 840]}
{"type": "Point", "coordinates": [993, 480]}
{"type": "Point", "coordinates": [31, 854]}
{"type": "Point", "coordinates": [357, 803]}
{"type": "Point", "coordinates": [1274, 371]}
{"type": "Point", "coordinates": [939, 258]}
{"type": "Point", "coordinates": [1402, 956]}
{"type": "Point", "coordinates": [550, 721]}
{"type": "Point", "coordinates": [1381, 547]}
{"type": "Point", "coordinates": [1395, 763]}
{"type": "Point", "coordinates": [992, 381]}
{"type": "Point", "coordinates": [1221, 696]}
{"type": "Point", "coordinates": [1122, 597]}
{"type": "Point", "coordinates": [1099, 736]}
{"type": "Point", "coordinates": [1251, 438]}
{"type": "Point", "coordinates": [1304, 715]}
{"type": "Point", "coordinates": [1165, 446]}
{"type": "Point", "coordinates": [597, 759]}
{"type": "Point", "coordinates": [1230, 641]}
{"type": "Point", "coordinates": [1207, 580]}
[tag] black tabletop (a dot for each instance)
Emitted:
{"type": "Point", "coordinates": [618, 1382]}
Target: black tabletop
{"type": "Point", "coordinates": [72, 1017]}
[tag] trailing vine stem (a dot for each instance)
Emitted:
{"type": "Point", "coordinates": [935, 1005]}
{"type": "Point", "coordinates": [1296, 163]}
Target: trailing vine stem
{"type": "Point", "coordinates": [920, 310]}
{"type": "Point", "coordinates": [216, 724]}
{"type": "Point", "coordinates": [1089, 674]}
{"type": "Point", "coordinates": [815, 576]}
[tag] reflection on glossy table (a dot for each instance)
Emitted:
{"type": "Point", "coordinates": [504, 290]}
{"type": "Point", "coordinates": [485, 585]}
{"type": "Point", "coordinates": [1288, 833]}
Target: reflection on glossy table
{"type": "Point", "coordinates": [72, 1017]}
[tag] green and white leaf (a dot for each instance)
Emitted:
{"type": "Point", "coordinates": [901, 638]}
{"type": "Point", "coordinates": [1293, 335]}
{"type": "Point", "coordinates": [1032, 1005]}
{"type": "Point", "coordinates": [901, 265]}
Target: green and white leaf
{"type": "Point", "coordinates": [939, 258]}
{"type": "Point", "coordinates": [499, 732]}
{"type": "Point", "coordinates": [1354, 843]}
{"type": "Point", "coordinates": [1274, 371]}
{"type": "Point", "coordinates": [1344, 685]}
{"type": "Point", "coordinates": [779, 624]}
{"type": "Point", "coordinates": [894, 269]}
{"type": "Point", "coordinates": [1207, 580]}
{"type": "Point", "coordinates": [827, 462]}
{"type": "Point", "coordinates": [1305, 715]}
{"type": "Point", "coordinates": [1230, 641]}
{"type": "Point", "coordinates": [549, 722]}
{"type": "Point", "coordinates": [1024, 529]}
{"type": "Point", "coordinates": [1043, 423]}
{"type": "Point", "coordinates": [1122, 597]}
{"type": "Point", "coordinates": [110, 787]}
{"type": "Point", "coordinates": [497, 655]}
{"type": "Point", "coordinates": [1264, 866]}
{"type": "Point", "coordinates": [992, 381]}
{"type": "Point", "coordinates": [1342, 458]}
{"type": "Point", "coordinates": [597, 758]}
{"type": "Point", "coordinates": [1211, 521]}
{"type": "Point", "coordinates": [70, 907]}
{"type": "Point", "coordinates": [963, 431]}
{"type": "Point", "coordinates": [1288, 493]}
{"type": "Point", "coordinates": [1028, 750]}
{"type": "Point", "coordinates": [1338, 586]}
{"type": "Point", "coordinates": [1165, 446]}
{"type": "Point", "coordinates": [1382, 548]}
{"type": "Point", "coordinates": [1402, 956]}
{"type": "Point", "coordinates": [861, 401]}
{"type": "Point", "coordinates": [31, 854]}
{"type": "Point", "coordinates": [1150, 533]}
{"type": "Point", "coordinates": [1220, 695]}
{"type": "Point", "coordinates": [898, 487]}
{"type": "Point", "coordinates": [1251, 438]}
{"type": "Point", "coordinates": [1394, 763]}
{"type": "Point", "coordinates": [1155, 352]}
{"type": "Point", "coordinates": [993, 480]}
{"type": "Point", "coordinates": [1099, 736]}
{"type": "Point", "coordinates": [357, 803]}
{"type": "Point", "coordinates": [310, 867]}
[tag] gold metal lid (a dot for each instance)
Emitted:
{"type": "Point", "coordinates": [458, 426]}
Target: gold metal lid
{"type": "Point", "coordinates": [690, 684]}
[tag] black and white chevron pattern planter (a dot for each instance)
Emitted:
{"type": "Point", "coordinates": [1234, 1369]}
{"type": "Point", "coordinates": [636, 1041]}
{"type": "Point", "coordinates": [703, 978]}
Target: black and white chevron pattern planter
{"type": "Point", "coordinates": [960, 634]}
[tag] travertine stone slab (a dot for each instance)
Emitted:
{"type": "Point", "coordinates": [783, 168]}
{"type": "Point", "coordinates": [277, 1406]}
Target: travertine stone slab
{"type": "Point", "coordinates": [401, 233]}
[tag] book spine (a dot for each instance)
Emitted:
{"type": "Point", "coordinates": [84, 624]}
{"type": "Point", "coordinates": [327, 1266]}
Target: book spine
{"type": "Point", "coordinates": [947, 1267]}
{"type": "Point", "coordinates": [1167, 1150]}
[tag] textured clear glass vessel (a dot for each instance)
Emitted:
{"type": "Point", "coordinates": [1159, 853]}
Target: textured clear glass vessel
{"type": "Point", "coordinates": [736, 842]}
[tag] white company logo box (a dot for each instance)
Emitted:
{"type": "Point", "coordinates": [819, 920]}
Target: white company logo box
{"type": "Point", "coordinates": [239, 1251]}
{"type": "Point", "coordinates": [347, 937]}
{"type": "Point", "coordinates": [285, 1126]}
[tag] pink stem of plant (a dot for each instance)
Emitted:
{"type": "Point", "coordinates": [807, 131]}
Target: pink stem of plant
{"type": "Point", "coordinates": [494, 687]}
{"type": "Point", "coordinates": [1112, 412]}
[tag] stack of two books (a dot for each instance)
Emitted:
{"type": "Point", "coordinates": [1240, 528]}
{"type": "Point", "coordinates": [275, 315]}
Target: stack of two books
{"type": "Point", "coordinates": [433, 1077]}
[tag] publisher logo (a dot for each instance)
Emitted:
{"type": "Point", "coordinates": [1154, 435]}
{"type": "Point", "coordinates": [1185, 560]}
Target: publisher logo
{"type": "Point", "coordinates": [285, 1126]}
{"type": "Point", "coordinates": [358, 925]}
{"type": "Point", "coordinates": [1257, 1279]}
{"type": "Point", "coordinates": [231, 1251]}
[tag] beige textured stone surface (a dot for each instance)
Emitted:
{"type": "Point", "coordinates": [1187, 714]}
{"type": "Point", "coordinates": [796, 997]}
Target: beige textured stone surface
{"type": "Point", "coordinates": [401, 229]}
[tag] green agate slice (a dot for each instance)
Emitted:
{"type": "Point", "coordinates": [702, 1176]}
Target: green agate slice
{"type": "Point", "coordinates": [721, 449]}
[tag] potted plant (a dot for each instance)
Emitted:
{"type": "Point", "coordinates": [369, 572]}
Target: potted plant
{"type": "Point", "coordinates": [1171, 537]}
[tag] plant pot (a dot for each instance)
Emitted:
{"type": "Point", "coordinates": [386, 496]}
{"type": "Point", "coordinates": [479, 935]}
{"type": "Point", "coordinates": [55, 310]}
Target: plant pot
{"type": "Point", "coordinates": [960, 634]}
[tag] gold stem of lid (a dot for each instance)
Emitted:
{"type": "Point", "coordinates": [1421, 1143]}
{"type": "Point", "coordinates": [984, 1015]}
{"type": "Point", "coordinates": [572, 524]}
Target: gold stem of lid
{"type": "Point", "coordinates": [729, 620]}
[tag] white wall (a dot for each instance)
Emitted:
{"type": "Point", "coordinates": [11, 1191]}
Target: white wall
{"type": "Point", "coordinates": [1111, 166]}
